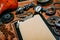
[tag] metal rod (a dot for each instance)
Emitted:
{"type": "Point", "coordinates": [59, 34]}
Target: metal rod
{"type": "Point", "coordinates": [18, 30]}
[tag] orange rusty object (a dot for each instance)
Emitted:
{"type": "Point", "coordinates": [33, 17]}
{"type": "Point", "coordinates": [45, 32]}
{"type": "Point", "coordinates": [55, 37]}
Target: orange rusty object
{"type": "Point", "coordinates": [8, 4]}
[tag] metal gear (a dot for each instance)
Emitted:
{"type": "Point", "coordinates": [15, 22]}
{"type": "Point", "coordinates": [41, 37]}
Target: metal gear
{"type": "Point", "coordinates": [6, 18]}
{"type": "Point", "coordinates": [51, 20]}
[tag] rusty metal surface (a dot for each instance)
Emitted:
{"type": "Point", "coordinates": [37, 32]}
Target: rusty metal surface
{"type": "Point", "coordinates": [7, 31]}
